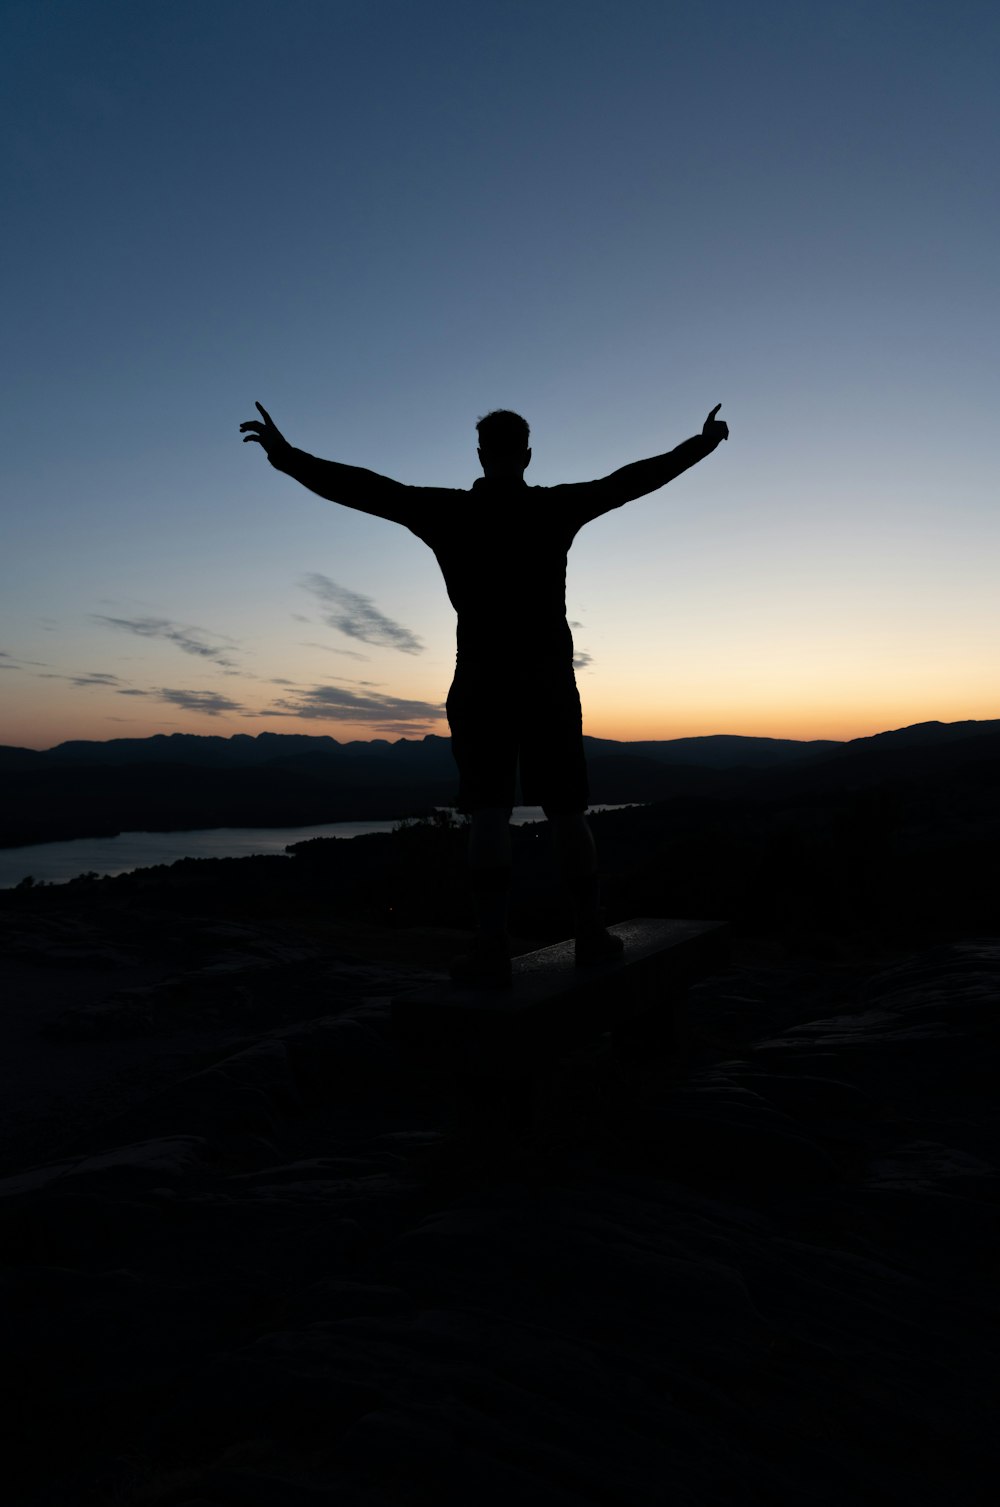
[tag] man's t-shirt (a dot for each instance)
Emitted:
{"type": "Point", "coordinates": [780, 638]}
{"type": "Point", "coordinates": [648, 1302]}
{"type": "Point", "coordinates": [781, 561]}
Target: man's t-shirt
{"type": "Point", "coordinates": [501, 545]}
{"type": "Point", "coordinates": [502, 548]}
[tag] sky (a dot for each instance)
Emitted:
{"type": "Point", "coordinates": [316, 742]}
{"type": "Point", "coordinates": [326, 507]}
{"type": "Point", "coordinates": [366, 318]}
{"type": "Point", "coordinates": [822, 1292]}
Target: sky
{"type": "Point", "coordinates": [384, 219]}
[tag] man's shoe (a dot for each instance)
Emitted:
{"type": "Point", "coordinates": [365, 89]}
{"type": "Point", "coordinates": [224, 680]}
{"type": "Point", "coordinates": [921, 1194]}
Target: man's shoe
{"type": "Point", "coordinates": [486, 965]}
{"type": "Point", "coordinates": [597, 946]}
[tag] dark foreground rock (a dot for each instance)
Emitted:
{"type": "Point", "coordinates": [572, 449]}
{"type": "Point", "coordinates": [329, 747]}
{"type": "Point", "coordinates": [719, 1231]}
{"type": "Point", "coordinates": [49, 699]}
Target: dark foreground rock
{"type": "Point", "coordinates": [251, 1258]}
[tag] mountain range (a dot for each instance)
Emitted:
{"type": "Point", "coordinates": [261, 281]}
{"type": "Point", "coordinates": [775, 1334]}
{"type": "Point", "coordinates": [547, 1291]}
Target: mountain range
{"type": "Point", "coordinates": [182, 781]}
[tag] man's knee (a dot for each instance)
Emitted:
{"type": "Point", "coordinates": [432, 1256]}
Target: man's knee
{"type": "Point", "coordinates": [492, 816]}
{"type": "Point", "coordinates": [489, 841]}
{"type": "Point", "coordinates": [574, 841]}
{"type": "Point", "coordinates": [568, 820]}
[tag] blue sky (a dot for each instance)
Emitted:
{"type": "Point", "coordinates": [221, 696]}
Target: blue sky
{"type": "Point", "coordinates": [383, 220]}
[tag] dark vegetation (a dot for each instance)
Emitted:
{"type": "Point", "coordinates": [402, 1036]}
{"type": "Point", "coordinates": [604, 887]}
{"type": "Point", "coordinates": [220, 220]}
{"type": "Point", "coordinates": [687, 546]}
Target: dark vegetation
{"type": "Point", "coordinates": [893, 838]}
{"type": "Point", "coordinates": [256, 1256]}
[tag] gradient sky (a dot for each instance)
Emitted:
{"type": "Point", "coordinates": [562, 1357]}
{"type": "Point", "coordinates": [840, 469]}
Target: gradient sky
{"type": "Point", "coordinates": [383, 219]}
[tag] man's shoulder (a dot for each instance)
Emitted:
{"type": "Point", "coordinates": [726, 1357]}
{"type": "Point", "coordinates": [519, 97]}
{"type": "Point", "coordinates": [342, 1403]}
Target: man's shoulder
{"type": "Point", "coordinates": [444, 493]}
{"type": "Point", "coordinates": [429, 502]}
{"type": "Point", "coordinates": [484, 487]}
{"type": "Point", "coordinates": [431, 511]}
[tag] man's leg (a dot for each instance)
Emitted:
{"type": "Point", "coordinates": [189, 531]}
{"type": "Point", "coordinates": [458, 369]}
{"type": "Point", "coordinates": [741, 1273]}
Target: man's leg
{"type": "Point", "coordinates": [554, 768]}
{"type": "Point", "coordinates": [576, 855]}
{"type": "Point", "coordinates": [486, 754]}
{"type": "Point", "coordinates": [489, 869]}
{"type": "Point", "coordinates": [487, 962]}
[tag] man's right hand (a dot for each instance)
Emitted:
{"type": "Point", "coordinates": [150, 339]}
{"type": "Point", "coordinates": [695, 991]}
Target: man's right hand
{"type": "Point", "coordinates": [267, 433]}
{"type": "Point", "coordinates": [714, 429]}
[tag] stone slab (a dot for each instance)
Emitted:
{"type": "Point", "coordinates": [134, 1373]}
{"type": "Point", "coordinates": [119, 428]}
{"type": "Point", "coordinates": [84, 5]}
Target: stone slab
{"type": "Point", "coordinates": [552, 1005]}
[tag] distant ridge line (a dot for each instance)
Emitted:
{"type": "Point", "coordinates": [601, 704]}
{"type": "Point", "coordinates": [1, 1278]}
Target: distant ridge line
{"type": "Point", "coordinates": [260, 748]}
{"type": "Point", "coordinates": [185, 781]}
{"type": "Point", "coordinates": [712, 750]}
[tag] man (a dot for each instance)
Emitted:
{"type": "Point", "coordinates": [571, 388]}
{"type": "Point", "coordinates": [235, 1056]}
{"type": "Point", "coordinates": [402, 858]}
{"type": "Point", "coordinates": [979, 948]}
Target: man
{"type": "Point", "coordinates": [502, 549]}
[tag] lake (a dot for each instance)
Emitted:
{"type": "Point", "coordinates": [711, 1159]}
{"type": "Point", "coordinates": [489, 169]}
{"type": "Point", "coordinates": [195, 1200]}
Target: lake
{"type": "Point", "coordinates": [56, 862]}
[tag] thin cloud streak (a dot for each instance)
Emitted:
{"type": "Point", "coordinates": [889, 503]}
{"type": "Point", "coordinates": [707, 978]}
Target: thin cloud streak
{"type": "Point", "coordinates": [189, 640]}
{"type": "Point", "coordinates": [334, 703]}
{"type": "Point", "coordinates": [211, 703]}
{"type": "Point", "coordinates": [358, 617]}
{"type": "Point", "coordinates": [13, 663]}
{"type": "Point", "coordinates": [332, 649]}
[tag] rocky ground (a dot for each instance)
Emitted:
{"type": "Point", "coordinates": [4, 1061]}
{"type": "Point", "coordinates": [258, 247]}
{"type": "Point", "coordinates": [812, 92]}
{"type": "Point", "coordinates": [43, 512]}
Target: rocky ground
{"type": "Point", "coordinates": [253, 1256]}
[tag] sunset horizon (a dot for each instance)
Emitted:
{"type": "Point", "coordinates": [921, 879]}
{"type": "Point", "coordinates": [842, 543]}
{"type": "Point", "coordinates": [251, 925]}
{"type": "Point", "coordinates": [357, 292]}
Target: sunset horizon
{"type": "Point", "coordinates": [641, 733]}
{"type": "Point", "coordinates": [775, 210]}
{"type": "Point", "coordinates": [573, 1083]}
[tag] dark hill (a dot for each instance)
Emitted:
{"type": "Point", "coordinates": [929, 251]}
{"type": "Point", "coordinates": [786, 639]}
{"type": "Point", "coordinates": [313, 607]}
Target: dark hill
{"type": "Point", "coordinates": [890, 758]}
{"type": "Point", "coordinates": [717, 751]}
{"type": "Point", "coordinates": [620, 777]}
{"type": "Point", "coordinates": [182, 781]}
{"type": "Point", "coordinates": [87, 801]}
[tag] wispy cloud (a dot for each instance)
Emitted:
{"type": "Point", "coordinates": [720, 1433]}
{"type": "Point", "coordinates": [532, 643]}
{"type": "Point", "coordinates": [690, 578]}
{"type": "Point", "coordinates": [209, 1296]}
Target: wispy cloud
{"type": "Point", "coordinates": [332, 649]}
{"type": "Point", "coordinates": [212, 703]}
{"type": "Point", "coordinates": [93, 677]}
{"type": "Point", "coordinates": [581, 659]}
{"type": "Point", "coordinates": [357, 616]}
{"type": "Point", "coordinates": [337, 703]}
{"type": "Point", "coordinates": [13, 662]}
{"type": "Point", "coordinates": [87, 677]}
{"type": "Point", "coordinates": [190, 640]}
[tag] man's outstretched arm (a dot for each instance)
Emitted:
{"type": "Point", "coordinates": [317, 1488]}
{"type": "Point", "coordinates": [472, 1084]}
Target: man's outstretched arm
{"type": "Point", "coordinates": [645, 476]}
{"type": "Point", "coordinates": [352, 486]}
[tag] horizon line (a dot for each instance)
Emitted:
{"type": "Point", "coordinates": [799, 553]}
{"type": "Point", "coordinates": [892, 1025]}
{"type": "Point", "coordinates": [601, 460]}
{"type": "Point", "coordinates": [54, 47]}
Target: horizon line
{"type": "Point", "coordinates": [445, 737]}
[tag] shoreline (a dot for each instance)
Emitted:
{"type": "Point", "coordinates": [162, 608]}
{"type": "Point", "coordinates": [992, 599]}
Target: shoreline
{"type": "Point", "coordinates": [50, 862]}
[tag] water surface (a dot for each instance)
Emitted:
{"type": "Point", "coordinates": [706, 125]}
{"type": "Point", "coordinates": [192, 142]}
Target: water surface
{"type": "Point", "coordinates": [56, 862]}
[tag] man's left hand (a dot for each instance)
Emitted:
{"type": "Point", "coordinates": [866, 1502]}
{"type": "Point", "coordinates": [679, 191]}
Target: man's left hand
{"type": "Point", "coordinates": [264, 433]}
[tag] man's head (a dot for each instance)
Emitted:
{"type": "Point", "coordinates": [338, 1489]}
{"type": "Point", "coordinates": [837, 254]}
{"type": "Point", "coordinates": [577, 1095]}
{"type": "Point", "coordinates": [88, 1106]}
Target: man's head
{"type": "Point", "coordinates": [503, 445]}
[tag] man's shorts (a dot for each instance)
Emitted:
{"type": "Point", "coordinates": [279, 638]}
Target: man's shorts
{"type": "Point", "coordinates": [504, 717]}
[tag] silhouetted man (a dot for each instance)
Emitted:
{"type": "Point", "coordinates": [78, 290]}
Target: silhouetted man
{"type": "Point", "coordinates": [502, 549]}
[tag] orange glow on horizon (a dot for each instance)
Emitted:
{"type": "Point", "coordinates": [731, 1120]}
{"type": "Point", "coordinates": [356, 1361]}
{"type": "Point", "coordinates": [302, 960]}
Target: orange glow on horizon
{"type": "Point", "coordinates": [49, 727]}
{"type": "Point", "coordinates": [619, 708]}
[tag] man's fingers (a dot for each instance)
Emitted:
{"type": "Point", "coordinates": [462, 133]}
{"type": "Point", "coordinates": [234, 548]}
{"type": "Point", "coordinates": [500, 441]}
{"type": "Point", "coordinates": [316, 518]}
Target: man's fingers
{"type": "Point", "coordinates": [251, 424]}
{"type": "Point", "coordinates": [711, 415]}
{"type": "Point", "coordinates": [248, 437]}
{"type": "Point", "coordinates": [261, 409]}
